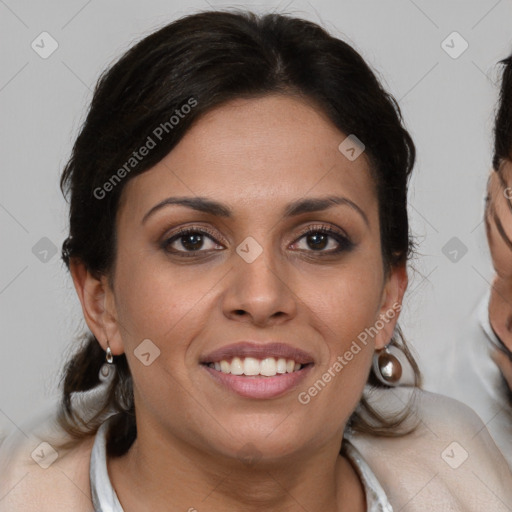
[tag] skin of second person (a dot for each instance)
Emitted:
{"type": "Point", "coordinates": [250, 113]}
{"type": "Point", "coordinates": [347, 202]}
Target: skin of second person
{"type": "Point", "coordinates": [498, 219]}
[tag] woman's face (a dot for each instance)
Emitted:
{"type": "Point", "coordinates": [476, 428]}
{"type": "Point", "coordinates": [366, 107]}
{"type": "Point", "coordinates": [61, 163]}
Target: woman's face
{"type": "Point", "coordinates": [249, 273]}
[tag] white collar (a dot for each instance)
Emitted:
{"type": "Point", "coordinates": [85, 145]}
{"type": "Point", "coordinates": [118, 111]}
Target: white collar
{"type": "Point", "coordinates": [104, 497]}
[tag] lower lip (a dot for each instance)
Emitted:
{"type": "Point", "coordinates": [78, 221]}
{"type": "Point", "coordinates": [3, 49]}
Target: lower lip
{"type": "Point", "coordinates": [260, 387]}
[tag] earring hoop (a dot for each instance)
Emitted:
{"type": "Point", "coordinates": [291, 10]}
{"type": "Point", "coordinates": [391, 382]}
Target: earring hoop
{"type": "Point", "coordinates": [109, 357]}
{"type": "Point", "coordinates": [107, 369]}
{"type": "Point", "coordinates": [387, 366]}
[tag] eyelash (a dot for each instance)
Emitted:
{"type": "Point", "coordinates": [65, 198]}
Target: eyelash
{"type": "Point", "coordinates": [345, 244]}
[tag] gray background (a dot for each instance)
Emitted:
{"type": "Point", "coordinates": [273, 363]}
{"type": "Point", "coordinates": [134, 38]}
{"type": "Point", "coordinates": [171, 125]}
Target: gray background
{"type": "Point", "coordinates": [448, 106]}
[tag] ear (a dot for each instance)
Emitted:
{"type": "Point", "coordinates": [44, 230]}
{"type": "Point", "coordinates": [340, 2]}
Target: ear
{"type": "Point", "coordinates": [391, 305]}
{"type": "Point", "coordinates": [98, 305]}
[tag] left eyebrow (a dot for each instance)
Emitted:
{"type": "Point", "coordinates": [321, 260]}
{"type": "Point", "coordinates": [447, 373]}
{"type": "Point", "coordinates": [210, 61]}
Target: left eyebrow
{"type": "Point", "coordinates": [294, 208]}
{"type": "Point", "coordinates": [322, 203]}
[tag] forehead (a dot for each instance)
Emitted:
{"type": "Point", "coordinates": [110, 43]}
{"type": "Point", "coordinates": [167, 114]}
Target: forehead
{"type": "Point", "coordinates": [254, 153]}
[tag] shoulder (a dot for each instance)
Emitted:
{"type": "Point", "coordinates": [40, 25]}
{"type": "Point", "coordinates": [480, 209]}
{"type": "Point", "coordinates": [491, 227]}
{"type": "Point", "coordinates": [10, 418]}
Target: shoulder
{"type": "Point", "coordinates": [449, 460]}
{"type": "Point", "coordinates": [36, 474]}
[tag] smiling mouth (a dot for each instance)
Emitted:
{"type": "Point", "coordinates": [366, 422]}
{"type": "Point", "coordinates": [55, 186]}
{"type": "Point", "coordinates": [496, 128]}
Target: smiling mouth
{"type": "Point", "coordinates": [253, 367]}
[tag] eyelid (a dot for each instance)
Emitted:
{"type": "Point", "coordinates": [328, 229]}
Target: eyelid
{"type": "Point", "coordinates": [173, 233]}
{"type": "Point", "coordinates": [188, 229]}
{"type": "Point", "coordinates": [323, 227]}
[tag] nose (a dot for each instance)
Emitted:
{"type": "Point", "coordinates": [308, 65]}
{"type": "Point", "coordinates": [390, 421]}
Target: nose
{"type": "Point", "coordinates": [259, 292]}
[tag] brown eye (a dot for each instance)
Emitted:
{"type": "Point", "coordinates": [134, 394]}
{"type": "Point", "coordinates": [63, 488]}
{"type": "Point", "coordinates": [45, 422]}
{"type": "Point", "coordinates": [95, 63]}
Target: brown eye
{"type": "Point", "coordinates": [317, 240]}
{"type": "Point", "coordinates": [325, 240]}
{"type": "Point", "coordinates": [191, 240]}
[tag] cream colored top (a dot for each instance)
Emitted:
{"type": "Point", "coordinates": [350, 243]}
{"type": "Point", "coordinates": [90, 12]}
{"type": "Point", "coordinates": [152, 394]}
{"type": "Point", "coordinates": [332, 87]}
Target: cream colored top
{"type": "Point", "coordinates": [449, 463]}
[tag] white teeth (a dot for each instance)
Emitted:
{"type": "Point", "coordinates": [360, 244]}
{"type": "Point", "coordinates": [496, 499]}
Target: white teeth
{"type": "Point", "coordinates": [251, 366]}
{"type": "Point", "coordinates": [281, 365]}
{"type": "Point", "coordinates": [237, 367]}
{"type": "Point", "coordinates": [268, 367]}
{"type": "Point", "coordinates": [225, 367]}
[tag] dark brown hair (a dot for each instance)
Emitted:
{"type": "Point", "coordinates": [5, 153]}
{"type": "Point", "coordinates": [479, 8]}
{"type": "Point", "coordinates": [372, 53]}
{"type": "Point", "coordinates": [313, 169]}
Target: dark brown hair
{"type": "Point", "coordinates": [503, 120]}
{"type": "Point", "coordinates": [214, 57]}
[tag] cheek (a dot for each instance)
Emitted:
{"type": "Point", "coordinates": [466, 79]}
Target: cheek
{"type": "Point", "coordinates": [342, 374]}
{"type": "Point", "coordinates": [166, 306]}
{"type": "Point", "coordinates": [157, 299]}
{"type": "Point", "coordinates": [344, 310]}
{"type": "Point", "coordinates": [348, 317]}
{"type": "Point", "coordinates": [349, 301]}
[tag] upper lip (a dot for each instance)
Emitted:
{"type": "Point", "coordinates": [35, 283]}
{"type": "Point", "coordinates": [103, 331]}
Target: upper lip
{"type": "Point", "coordinates": [259, 351]}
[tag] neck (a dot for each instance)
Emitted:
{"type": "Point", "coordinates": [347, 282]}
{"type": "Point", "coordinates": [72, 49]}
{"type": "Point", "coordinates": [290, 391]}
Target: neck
{"type": "Point", "coordinates": [158, 471]}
